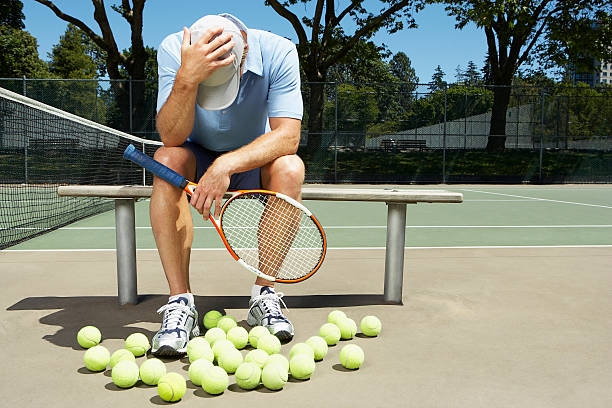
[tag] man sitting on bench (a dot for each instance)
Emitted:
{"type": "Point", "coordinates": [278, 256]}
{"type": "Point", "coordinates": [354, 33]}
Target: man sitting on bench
{"type": "Point", "coordinates": [219, 86]}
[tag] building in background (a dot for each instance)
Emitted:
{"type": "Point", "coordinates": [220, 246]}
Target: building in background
{"type": "Point", "coordinates": [602, 75]}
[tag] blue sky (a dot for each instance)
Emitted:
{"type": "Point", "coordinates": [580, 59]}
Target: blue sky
{"type": "Point", "coordinates": [435, 42]}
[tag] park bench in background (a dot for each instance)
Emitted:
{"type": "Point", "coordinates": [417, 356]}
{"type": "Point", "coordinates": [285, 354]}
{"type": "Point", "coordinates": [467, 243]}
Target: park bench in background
{"type": "Point", "coordinates": [396, 200]}
{"type": "Point", "coordinates": [393, 145]}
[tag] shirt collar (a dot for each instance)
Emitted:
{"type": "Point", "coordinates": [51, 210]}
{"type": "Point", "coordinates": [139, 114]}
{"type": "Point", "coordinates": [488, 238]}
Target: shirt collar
{"type": "Point", "coordinates": [253, 61]}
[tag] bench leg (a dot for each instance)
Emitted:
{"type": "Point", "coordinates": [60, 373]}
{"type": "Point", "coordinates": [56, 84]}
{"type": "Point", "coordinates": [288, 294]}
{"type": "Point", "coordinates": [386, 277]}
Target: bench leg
{"type": "Point", "coordinates": [125, 228]}
{"type": "Point", "coordinates": [394, 257]}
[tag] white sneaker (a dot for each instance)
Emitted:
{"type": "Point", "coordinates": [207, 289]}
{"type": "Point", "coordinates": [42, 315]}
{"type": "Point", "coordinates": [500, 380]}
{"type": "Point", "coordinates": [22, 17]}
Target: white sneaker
{"type": "Point", "coordinates": [265, 310]}
{"type": "Point", "coordinates": [179, 324]}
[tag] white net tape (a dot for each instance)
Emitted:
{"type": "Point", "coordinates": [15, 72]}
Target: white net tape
{"type": "Point", "coordinates": [272, 235]}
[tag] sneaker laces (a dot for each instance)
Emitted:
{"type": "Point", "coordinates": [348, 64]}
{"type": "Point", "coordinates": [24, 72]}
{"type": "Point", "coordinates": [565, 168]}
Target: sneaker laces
{"type": "Point", "coordinates": [177, 315]}
{"type": "Point", "coordinates": [271, 304]}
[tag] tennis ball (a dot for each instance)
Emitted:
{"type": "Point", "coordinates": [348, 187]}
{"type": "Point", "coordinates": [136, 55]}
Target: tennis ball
{"type": "Point", "coordinates": [335, 315]}
{"type": "Point", "coordinates": [256, 333]}
{"type": "Point", "coordinates": [351, 356]}
{"type": "Point", "coordinates": [220, 346]}
{"type": "Point", "coordinates": [230, 359]}
{"type": "Point", "coordinates": [171, 387]}
{"type": "Point", "coordinates": [348, 328]}
{"type": "Point", "coordinates": [226, 323]}
{"type": "Point", "coordinates": [301, 348]}
{"type": "Point", "coordinates": [214, 334]}
{"type": "Point", "coordinates": [274, 377]}
{"type": "Point", "coordinates": [214, 380]}
{"type": "Point", "coordinates": [196, 369]}
{"type": "Point", "coordinates": [199, 349]}
{"type": "Point", "coordinates": [301, 366]}
{"type": "Point", "coordinates": [211, 318]}
{"type": "Point", "coordinates": [137, 343]}
{"type": "Point", "coordinates": [120, 355]}
{"type": "Point", "coordinates": [371, 326]}
{"type": "Point", "coordinates": [96, 358]}
{"type": "Point", "coordinates": [152, 370]}
{"type": "Point", "coordinates": [331, 333]}
{"type": "Point", "coordinates": [196, 342]}
{"type": "Point", "coordinates": [238, 336]}
{"type": "Point", "coordinates": [270, 344]}
{"type": "Point", "coordinates": [125, 374]}
{"type": "Point", "coordinates": [89, 336]}
{"type": "Point", "coordinates": [248, 376]}
{"type": "Point", "coordinates": [257, 356]}
{"type": "Point", "coordinates": [280, 360]}
{"type": "Point", "coordinates": [319, 347]}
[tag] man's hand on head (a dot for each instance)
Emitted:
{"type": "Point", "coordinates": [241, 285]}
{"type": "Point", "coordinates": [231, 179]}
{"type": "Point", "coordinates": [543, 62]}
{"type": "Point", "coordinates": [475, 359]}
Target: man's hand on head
{"type": "Point", "coordinates": [200, 59]}
{"type": "Point", "coordinates": [211, 188]}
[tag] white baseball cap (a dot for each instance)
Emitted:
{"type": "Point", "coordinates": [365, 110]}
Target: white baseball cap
{"type": "Point", "coordinates": [220, 89]}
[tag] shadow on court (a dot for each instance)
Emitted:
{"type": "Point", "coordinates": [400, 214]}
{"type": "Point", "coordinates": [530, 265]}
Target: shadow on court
{"type": "Point", "coordinates": [116, 322]}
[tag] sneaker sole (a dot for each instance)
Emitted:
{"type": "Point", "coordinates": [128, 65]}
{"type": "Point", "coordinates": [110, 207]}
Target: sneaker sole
{"type": "Point", "coordinates": [284, 336]}
{"type": "Point", "coordinates": [167, 351]}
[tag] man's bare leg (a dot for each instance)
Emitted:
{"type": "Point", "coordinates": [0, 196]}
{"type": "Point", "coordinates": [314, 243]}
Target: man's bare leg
{"type": "Point", "coordinates": [284, 175]}
{"type": "Point", "coordinates": [173, 232]}
{"type": "Point", "coordinates": [171, 218]}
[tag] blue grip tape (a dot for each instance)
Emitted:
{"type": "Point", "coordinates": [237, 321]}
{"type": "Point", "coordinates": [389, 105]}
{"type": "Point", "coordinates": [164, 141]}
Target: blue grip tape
{"type": "Point", "coordinates": [155, 167]}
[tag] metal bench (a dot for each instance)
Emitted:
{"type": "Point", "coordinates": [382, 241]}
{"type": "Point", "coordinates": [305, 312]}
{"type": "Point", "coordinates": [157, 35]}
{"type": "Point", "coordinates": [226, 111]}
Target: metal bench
{"type": "Point", "coordinates": [396, 200]}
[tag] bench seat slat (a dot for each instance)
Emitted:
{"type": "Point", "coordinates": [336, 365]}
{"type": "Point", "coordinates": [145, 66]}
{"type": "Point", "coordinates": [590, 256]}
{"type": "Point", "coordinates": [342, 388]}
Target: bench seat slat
{"type": "Point", "coordinates": [308, 193]}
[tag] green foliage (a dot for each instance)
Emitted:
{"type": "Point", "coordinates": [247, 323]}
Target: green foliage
{"type": "Point", "coordinates": [19, 55]}
{"type": "Point", "coordinates": [437, 80]}
{"type": "Point", "coordinates": [75, 55]}
{"type": "Point", "coordinates": [11, 14]}
{"type": "Point", "coordinates": [363, 63]}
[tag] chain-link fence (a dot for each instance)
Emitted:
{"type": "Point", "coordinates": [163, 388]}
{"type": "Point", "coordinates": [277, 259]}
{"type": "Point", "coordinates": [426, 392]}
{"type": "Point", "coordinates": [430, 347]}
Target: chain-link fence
{"type": "Point", "coordinates": [401, 132]}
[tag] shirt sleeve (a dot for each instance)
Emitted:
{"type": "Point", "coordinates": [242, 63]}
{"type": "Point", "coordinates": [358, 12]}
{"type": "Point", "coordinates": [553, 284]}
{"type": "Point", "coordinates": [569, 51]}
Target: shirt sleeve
{"type": "Point", "coordinates": [168, 64]}
{"type": "Point", "coordinates": [284, 95]}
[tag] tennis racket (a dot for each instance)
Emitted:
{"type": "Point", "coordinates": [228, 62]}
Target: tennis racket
{"type": "Point", "coordinates": [268, 233]}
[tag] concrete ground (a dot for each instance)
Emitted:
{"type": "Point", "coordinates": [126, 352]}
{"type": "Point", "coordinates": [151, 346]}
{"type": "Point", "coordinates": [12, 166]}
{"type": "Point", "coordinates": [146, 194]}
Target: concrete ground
{"type": "Point", "coordinates": [508, 327]}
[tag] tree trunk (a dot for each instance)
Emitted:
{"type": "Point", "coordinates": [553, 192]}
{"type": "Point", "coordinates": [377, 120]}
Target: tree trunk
{"type": "Point", "coordinates": [315, 117]}
{"type": "Point", "coordinates": [497, 132]}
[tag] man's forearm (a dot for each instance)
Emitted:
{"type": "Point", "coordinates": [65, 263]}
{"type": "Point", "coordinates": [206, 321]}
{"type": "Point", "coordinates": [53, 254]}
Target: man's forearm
{"type": "Point", "coordinates": [269, 146]}
{"type": "Point", "coordinates": [175, 119]}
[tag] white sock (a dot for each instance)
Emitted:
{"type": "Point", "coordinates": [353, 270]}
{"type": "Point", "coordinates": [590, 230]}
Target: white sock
{"type": "Point", "coordinates": [256, 290]}
{"type": "Point", "coordinates": [189, 296]}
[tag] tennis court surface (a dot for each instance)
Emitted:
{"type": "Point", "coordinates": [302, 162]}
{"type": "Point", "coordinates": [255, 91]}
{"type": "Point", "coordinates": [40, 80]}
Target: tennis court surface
{"type": "Point", "coordinates": [506, 303]}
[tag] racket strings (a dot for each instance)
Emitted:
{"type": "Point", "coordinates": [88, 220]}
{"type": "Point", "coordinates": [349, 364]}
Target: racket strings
{"type": "Point", "coordinates": [272, 235]}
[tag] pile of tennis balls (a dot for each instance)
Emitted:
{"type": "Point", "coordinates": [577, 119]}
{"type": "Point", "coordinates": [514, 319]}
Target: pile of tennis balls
{"type": "Point", "coordinates": [221, 345]}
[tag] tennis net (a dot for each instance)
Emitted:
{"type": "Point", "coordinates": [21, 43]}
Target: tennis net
{"type": "Point", "coordinates": [42, 147]}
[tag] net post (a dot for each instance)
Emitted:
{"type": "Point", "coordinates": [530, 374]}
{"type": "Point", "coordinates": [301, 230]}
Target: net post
{"type": "Point", "coordinates": [125, 229]}
{"type": "Point", "coordinates": [394, 255]}
{"type": "Point", "coordinates": [144, 174]}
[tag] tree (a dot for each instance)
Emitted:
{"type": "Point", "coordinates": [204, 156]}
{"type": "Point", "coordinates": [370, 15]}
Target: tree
{"type": "Point", "coordinates": [11, 14]}
{"type": "Point", "coordinates": [18, 49]}
{"type": "Point", "coordinates": [471, 74]}
{"type": "Point", "coordinates": [437, 80]}
{"type": "Point", "coordinates": [74, 56]}
{"type": "Point", "coordinates": [459, 75]}
{"type": "Point", "coordinates": [329, 44]}
{"type": "Point", "coordinates": [518, 30]}
{"type": "Point", "coordinates": [133, 63]}
{"type": "Point", "coordinates": [486, 70]}
{"type": "Point", "coordinates": [402, 70]}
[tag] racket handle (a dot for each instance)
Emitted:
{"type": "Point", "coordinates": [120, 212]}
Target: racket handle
{"type": "Point", "coordinates": [155, 167]}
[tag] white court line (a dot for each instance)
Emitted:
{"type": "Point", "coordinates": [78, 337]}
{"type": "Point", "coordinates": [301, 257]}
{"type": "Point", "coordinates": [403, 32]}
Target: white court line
{"type": "Point", "coordinates": [537, 199]}
{"type": "Point", "coordinates": [358, 227]}
{"type": "Point", "coordinates": [332, 248]}
{"type": "Point", "coordinates": [498, 200]}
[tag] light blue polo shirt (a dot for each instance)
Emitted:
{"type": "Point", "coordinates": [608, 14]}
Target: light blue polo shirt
{"type": "Point", "coordinates": [270, 87]}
